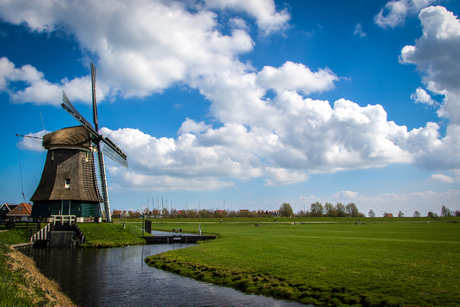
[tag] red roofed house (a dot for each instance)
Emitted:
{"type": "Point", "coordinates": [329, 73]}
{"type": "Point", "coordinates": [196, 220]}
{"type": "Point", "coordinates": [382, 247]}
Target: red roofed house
{"type": "Point", "coordinates": [181, 212]}
{"type": "Point", "coordinates": [388, 215]}
{"type": "Point", "coordinates": [116, 214]}
{"type": "Point", "coordinates": [21, 213]}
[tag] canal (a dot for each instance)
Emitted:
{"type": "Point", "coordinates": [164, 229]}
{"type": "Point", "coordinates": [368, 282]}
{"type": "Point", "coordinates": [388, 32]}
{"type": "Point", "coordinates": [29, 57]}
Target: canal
{"type": "Point", "coordinates": [119, 277]}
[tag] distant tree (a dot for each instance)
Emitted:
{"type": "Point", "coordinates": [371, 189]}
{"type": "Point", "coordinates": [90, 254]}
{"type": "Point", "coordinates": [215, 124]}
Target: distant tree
{"type": "Point", "coordinates": [286, 210]}
{"type": "Point", "coordinates": [433, 215]}
{"type": "Point", "coordinates": [371, 213]}
{"type": "Point", "coordinates": [456, 213]}
{"type": "Point", "coordinates": [316, 209]}
{"type": "Point", "coordinates": [445, 211]}
{"type": "Point", "coordinates": [341, 210]}
{"type": "Point", "coordinates": [165, 212]}
{"type": "Point", "coordinates": [301, 213]}
{"type": "Point", "coordinates": [417, 214]}
{"type": "Point", "coordinates": [330, 210]}
{"type": "Point", "coordinates": [352, 210]}
{"type": "Point", "coordinates": [400, 214]}
{"type": "Point", "coordinates": [233, 213]}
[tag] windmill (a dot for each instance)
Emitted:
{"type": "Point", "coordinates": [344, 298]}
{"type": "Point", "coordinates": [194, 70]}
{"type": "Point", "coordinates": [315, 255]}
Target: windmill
{"type": "Point", "coordinates": [71, 158]}
{"type": "Point", "coordinates": [110, 149]}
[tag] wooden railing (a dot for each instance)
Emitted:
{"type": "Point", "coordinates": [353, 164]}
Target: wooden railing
{"type": "Point", "coordinates": [42, 234]}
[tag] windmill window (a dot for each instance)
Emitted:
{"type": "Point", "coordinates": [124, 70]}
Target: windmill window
{"type": "Point", "coordinates": [67, 183]}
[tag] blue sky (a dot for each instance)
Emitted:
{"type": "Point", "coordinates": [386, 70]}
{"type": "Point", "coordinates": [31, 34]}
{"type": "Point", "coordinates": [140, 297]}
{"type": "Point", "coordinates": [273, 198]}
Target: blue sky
{"type": "Point", "coordinates": [251, 103]}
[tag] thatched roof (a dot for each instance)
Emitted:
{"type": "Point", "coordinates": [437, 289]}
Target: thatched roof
{"type": "Point", "coordinates": [68, 174]}
{"type": "Point", "coordinates": [78, 137]}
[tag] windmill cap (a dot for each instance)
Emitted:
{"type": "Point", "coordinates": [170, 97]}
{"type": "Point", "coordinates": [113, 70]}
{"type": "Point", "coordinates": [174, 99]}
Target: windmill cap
{"type": "Point", "coordinates": [78, 137]}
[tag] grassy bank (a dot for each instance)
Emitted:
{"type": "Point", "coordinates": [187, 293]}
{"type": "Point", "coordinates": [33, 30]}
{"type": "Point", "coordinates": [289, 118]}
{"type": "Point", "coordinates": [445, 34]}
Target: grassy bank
{"type": "Point", "coordinates": [313, 220]}
{"type": "Point", "coordinates": [21, 284]}
{"type": "Point", "coordinates": [411, 263]}
{"type": "Point", "coordinates": [111, 234]}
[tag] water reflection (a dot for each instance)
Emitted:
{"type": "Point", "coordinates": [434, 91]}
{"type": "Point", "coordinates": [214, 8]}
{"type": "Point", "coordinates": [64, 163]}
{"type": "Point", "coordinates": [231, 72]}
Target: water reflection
{"type": "Point", "coordinates": [119, 277]}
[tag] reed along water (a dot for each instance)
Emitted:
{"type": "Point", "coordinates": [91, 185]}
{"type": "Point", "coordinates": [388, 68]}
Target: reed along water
{"type": "Point", "coordinates": [119, 277]}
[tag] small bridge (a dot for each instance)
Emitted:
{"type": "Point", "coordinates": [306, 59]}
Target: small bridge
{"type": "Point", "coordinates": [175, 237]}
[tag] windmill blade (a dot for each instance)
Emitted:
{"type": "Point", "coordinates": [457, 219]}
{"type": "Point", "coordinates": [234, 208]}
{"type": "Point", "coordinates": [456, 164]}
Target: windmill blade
{"type": "Point", "coordinates": [71, 109]}
{"type": "Point", "coordinates": [103, 181]}
{"type": "Point", "coordinates": [93, 85]}
{"type": "Point", "coordinates": [113, 152]}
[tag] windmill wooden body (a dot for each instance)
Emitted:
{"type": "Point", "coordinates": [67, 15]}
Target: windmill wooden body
{"type": "Point", "coordinates": [73, 180]}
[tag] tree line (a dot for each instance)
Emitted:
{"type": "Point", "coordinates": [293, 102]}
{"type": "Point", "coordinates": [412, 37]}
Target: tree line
{"type": "Point", "coordinates": [317, 210]}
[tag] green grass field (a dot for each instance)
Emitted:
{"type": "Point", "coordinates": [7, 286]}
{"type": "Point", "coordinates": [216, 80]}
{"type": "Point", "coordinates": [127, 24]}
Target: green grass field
{"type": "Point", "coordinates": [405, 262]}
{"type": "Point", "coordinates": [111, 235]}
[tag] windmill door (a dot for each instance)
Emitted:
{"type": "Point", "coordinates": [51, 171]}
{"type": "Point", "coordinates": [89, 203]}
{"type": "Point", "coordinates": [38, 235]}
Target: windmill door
{"type": "Point", "coordinates": [65, 207]}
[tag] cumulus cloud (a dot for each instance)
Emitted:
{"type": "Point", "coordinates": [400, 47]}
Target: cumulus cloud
{"type": "Point", "coordinates": [436, 55]}
{"type": "Point", "coordinates": [146, 48]}
{"type": "Point", "coordinates": [296, 77]}
{"type": "Point", "coordinates": [421, 96]}
{"type": "Point", "coordinates": [394, 13]}
{"type": "Point", "coordinates": [142, 46]}
{"type": "Point", "coordinates": [27, 84]}
{"type": "Point", "coordinates": [268, 19]}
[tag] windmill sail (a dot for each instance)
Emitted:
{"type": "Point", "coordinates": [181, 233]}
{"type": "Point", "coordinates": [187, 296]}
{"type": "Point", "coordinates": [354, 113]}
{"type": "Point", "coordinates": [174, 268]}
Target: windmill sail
{"type": "Point", "coordinates": [110, 149]}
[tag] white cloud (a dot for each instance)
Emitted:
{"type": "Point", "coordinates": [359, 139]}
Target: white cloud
{"type": "Point", "coordinates": [394, 13]}
{"type": "Point", "coordinates": [190, 126]}
{"type": "Point", "coordinates": [146, 48]}
{"type": "Point", "coordinates": [281, 176]}
{"type": "Point", "coordinates": [35, 142]}
{"type": "Point", "coordinates": [359, 30]}
{"type": "Point", "coordinates": [296, 77]}
{"type": "Point", "coordinates": [264, 11]}
{"type": "Point", "coordinates": [142, 46]}
{"type": "Point", "coordinates": [128, 180]}
{"type": "Point", "coordinates": [421, 96]}
{"type": "Point", "coordinates": [436, 55]}
{"type": "Point", "coordinates": [443, 178]}
{"type": "Point", "coordinates": [349, 195]}
{"type": "Point", "coordinates": [36, 89]}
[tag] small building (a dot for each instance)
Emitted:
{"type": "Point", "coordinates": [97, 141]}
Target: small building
{"type": "Point", "coordinates": [21, 213]}
{"type": "Point", "coordinates": [116, 214]}
{"type": "Point", "coordinates": [388, 214]}
{"type": "Point", "coordinates": [4, 209]}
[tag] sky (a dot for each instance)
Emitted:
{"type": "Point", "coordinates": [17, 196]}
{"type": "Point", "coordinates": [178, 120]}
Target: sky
{"type": "Point", "coordinates": [242, 104]}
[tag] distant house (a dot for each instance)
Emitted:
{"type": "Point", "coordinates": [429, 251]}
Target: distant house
{"type": "Point", "coordinates": [4, 209]}
{"type": "Point", "coordinates": [116, 214]}
{"type": "Point", "coordinates": [21, 213]}
{"type": "Point", "coordinates": [388, 215]}
{"type": "Point", "coordinates": [180, 212]}
{"type": "Point", "coordinates": [158, 212]}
